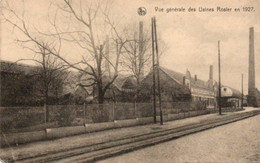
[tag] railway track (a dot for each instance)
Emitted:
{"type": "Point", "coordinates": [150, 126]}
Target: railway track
{"type": "Point", "coordinates": [97, 151]}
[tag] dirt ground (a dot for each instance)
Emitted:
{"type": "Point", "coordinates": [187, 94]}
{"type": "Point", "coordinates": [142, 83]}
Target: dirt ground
{"type": "Point", "coordinates": [235, 142]}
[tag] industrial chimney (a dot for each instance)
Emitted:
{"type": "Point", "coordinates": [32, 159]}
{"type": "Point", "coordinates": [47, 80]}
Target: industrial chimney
{"type": "Point", "coordinates": [211, 72]}
{"type": "Point", "coordinates": [141, 49]}
{"type": "Point", "coordinates": [251, 71]}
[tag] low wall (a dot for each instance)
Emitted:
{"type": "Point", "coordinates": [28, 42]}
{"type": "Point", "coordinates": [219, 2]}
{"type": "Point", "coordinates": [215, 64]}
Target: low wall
{"type": "Point", "coordinates": [93, 127]}
{"type": "Point", "coordinates": [125, 123]}
{"type": "Point", "coordinates": [165, 118]}
{"type": "Point", "coordinates": [181, 115]}
{"type": "Point", "coordinates": [193, 113]}
{"type": "Point", "coordinates": [172, 117]}
{"type": "Point", "coordinates": [64, 131]}
{"type": "Point", "coordinates": [144, 121]}
{"type": "Point", "coordinates": [21, 138]}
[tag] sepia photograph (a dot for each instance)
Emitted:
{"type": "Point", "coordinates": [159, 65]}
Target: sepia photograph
{"type": "Point", "coordinates": [133, 81]}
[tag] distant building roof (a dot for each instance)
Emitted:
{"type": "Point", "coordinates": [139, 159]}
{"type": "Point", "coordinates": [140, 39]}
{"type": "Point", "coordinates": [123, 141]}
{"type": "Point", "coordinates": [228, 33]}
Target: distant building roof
{"type": "Point", "coordinates": [230, 92]}
{"type": "Point", "coordinates": [71, 82]}
{"type": "Point", "coordinates": [177, 76]}
{"type": "Point", "coordinates": [13, 67]}
{"type": "Point", "coordinates": [125, 82]}
{"type": "Point", "coordinates": [236, 93]}
{"type": "Point", "coordinates": [171, 83]}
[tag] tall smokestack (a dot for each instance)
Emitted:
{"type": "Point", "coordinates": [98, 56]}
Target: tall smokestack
{"type": "Point", "coordinates": [141, 49]}
{"type": "Point", "coordinates": [211, 72]}
{"type": "Point", "coordinates": [251, 70]}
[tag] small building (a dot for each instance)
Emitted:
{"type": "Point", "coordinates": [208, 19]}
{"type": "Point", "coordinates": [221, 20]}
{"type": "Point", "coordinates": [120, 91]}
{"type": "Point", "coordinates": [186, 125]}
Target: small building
{"type": "Point", "coordinates": [18, 84]}
{"type": "Point", "coordinates": [123, 89]}
{"type": "Point", "coordinates": [230, 97]}
{"type": "Point", "coordinates": [22, 85]}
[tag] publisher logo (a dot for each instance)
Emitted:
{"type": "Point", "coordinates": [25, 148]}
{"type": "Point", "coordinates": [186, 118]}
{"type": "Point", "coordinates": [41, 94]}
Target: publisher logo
{"type": "Point", "coordinates": [141, 11]}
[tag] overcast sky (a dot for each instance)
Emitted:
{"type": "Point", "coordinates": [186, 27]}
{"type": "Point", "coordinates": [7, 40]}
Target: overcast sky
{"type": "Point", "coordinates": [191, 38]}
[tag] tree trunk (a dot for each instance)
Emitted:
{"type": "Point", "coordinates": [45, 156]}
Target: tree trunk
{"type": "Point", "coordinates": [101, 96]}
{"type": "Point", "coordinates": [46, 103]}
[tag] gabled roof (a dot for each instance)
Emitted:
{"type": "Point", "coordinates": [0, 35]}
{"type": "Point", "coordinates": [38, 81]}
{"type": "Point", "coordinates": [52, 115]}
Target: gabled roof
{"type": "Point", "coordinates": [130, 83]}
{"type": "Point", "coordinates": [177, 76]}
{"type": "Point", "coordinates": [173, 82]}
{"type": "Point", "coordinates": [199, 83]}
{"type": "Point", "coordinates": [12, 67]}
{"type": "Point", "coordinates": [121, 80]}
{"type": "Point", "coordinates": [71, 83]}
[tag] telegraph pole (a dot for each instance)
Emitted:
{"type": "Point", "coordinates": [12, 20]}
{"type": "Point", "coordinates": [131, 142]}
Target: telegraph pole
{"type": "Point", "coordinates": [158, 73]}
{"type": "Point", "coordinates": [154, 93]}
{"type": "Point", "coordinates": [242, 91]}
{"type": "Point", "coordinates": [219, 80]}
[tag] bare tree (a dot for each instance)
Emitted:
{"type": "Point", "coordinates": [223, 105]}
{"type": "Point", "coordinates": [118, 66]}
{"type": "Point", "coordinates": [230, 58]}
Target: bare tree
{"type": "Point", "coordinates": [93, 42]}
{"type": "Point", "coordinates": [49, 76]}
{"type": "Point", "coordinates": [50, 72]}
{"type": "Point", "coordinates": [137, 52]}
{"type": "Point", "coordinates": [83, 32]}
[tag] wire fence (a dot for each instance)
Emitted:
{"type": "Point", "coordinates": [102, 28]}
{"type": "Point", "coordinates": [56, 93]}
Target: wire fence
{"type": "Point", "coordinates": [20, 119]}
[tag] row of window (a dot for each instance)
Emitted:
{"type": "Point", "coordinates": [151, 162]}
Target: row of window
{"type": "Point", "coordinates": [208, 101]}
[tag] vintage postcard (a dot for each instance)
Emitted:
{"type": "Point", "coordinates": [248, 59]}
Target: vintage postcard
{"type": "Point", "coordinates": [129, 81]}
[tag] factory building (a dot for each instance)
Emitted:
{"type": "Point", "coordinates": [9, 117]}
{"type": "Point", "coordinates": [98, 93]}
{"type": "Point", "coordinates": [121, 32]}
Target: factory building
{"type": "Point", "coordinates": [179, 87]}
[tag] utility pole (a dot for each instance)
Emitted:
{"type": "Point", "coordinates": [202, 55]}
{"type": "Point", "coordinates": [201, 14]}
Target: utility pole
{"type": "Point", "coordinates": [242, 91]}
{"type": "Point", "coordinates": [158, 73]}
{"type": "Point", "coordinates": [219, 80]}
{"type": "Point", "coordinates": [154, 93]}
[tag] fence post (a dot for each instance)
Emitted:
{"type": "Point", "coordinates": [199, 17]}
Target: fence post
{"type": "Point", "coordinates": [45, 114]}
{"type": "Point", "coordinates": [135, 110]}
{"type": "Point", "coordinates": [113, 112]}
{"type": "Point", "coordinates": [84, 108]}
